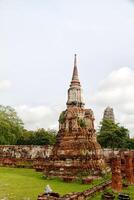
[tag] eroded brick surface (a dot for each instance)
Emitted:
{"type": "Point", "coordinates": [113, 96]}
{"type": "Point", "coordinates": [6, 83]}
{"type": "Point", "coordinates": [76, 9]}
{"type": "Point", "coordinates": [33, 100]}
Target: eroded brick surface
{"type": "Point", "coordinates": [76, 150]}
{"type": "Point", "coordinates": [129, 171]}
{"type": "Point", "coordinates": [116, 174]}
{"type": "Point", "coordinates": [23, 156]}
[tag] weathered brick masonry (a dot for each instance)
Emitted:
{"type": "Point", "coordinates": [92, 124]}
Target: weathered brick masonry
{"type": "Point", "coordinates": [116, 174]}
{"type": "Point", "coordinates": [31, 155]}
{"type": "Point", "coordinates": [23, 156]}
{"type": "Point", "coordinates": [76, 150]}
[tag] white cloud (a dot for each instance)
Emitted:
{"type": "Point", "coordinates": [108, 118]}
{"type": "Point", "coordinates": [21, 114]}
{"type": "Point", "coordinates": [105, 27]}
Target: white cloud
{"type": "Point", "coordinates": [39, 116]}
{"type": "Point", "coordinates": [117, 90]}
{"type": "Point", "coordinates": [4, 85]}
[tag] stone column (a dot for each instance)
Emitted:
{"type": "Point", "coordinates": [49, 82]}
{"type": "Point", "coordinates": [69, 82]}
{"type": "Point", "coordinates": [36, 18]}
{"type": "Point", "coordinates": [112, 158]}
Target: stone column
{"type": "Point", "coordinates": [129, 168]}
{"type": "Point", "coordinates": [116, 174]}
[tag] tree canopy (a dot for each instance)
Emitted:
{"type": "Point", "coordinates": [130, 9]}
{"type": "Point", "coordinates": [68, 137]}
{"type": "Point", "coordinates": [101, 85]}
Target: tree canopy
{"type": "Point", "coordinates": [112, 135]}
{"type": "Point", "coordinates": [129, 144]}
{"type": "Point", "coordinates": [11, 126]}
{"type": "Point", "coordinates": [12, 130]}
{"type": "Point", "coordinates": [38, 137]}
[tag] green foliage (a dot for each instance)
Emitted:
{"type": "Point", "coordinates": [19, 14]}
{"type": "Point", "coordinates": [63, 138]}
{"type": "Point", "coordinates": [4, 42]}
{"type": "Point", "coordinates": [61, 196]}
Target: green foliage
{"type": "Point", "coordinates": [112, 135]}
{"type": "Point", "coordinates": [129, 144]}
{"type": "Point", "coordinates": [11, 126]}
{"type": "Point", "coordinates": [12, 131]}
{"type": "Point", "coordinates": [62, 117]}
{"type": "Point", "coordinates": [43, 137]}
{"type": "Point", "coordinates": [38, 137]}
{"type": "Point", "coordinates": [27, 138]}
{"type": "Point", "coordinates": [82, 123]}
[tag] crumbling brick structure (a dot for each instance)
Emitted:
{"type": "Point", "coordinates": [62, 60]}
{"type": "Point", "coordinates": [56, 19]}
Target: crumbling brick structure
{"type": "Point", "coordinates": [116, 174]}
{"type": "Point", "coordinates": [76, 150]}
{"type": "Point", "coordinates": [122, 168]}
{"type": "Point", "coordinates": [23, 155]}
{"type": "Point", "coordinates": [129, 171]}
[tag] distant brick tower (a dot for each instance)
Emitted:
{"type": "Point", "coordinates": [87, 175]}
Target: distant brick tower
{"type": "Point", "coordinates": [109, 114]}
{"type": "Point", "coordinates": [76, 150]}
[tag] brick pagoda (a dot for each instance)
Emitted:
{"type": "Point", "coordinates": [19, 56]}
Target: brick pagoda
{"type": "Point", "coordinates": [76, 150]}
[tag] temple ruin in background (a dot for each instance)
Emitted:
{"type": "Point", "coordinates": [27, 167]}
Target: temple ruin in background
{"type": "Point", "coordinates": [109, 114]}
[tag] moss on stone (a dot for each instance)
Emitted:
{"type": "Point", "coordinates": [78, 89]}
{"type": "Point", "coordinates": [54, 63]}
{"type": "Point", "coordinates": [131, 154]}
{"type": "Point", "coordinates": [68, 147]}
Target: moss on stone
{"type": "Point", "coordinates": [62, 117]}
{"type": "Point", "coordinates": [82, 123]}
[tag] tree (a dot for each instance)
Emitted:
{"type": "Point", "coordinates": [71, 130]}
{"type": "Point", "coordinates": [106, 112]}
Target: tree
{"type": "Point", "coordinates": [129, 143]}
{"type": "Point", "coordinates": [11, 126]}
{"type": "Point", "coordinates": [38, 137]}
{"type": "Point", "coordinates": [27, 138]}
{"type": "Point", "coordinates": [112, 135]}
{"type": "Point", "coordinates": [43, 137]}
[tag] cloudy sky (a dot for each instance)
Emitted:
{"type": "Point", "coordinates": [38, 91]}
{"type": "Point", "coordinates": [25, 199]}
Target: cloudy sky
{"type": "Point", "coordinates": [38, 40]}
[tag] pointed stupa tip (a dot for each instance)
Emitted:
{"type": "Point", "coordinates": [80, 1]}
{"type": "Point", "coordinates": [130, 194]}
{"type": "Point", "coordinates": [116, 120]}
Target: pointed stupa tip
{"type": "Point", "coordinates": [75, 70]}
{"type": "Point", "coordinates": [75, 60]}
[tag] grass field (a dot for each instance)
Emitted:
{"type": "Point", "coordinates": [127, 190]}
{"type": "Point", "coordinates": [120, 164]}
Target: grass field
{"type": "Point", "coordinates": [26, 184]}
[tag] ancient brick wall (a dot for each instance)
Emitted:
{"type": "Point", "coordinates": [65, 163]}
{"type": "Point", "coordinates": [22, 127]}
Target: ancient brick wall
{"type": "Point", "coordinates": [23, 155]}
{"type": "Point", "coordinates": [29, 155]}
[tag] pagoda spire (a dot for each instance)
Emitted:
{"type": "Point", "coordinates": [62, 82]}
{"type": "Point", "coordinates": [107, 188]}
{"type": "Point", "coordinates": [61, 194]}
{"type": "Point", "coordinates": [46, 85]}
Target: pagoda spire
{"type": "Point", "coordinates": [75, 97]}
{"type": "Point", "coordinates": [75, 78]}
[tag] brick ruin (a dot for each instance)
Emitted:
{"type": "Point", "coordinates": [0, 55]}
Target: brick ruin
{"type": "Point", "coordinates": [129, 168]}
{"type": "Point", "coordinates": [109, 114]}
{"type": "Point", "coordinates": [34, 155]}
{"type": "Point", "coordinates": [122, 167]}
{"type": "Point", "coordinates": [23, 155]}
{"type": "Point", "coordinates": [76, 150]}
{"type": "Point", "coordinates": [116, 174]}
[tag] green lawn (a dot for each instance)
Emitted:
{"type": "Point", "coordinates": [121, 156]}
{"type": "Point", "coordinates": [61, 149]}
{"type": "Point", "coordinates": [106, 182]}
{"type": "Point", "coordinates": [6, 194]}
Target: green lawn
{"type": "Point", "coordinates": [26, 184]}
